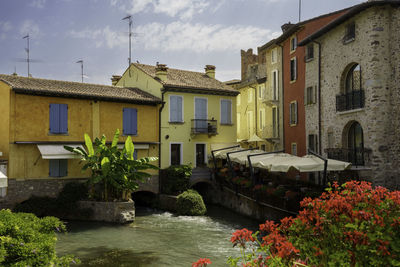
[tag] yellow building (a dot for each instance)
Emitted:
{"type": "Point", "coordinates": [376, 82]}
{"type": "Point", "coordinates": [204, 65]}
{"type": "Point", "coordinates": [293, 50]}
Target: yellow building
{"type": "Point", "coordinates": [259, 108]}
{"type": "Point", "coordinates": [199, 113]}
{"type": "Point", "coordinates": [38, 117]}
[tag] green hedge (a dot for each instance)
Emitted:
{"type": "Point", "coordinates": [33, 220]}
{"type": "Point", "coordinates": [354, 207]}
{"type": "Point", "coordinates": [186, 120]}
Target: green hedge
{"type": "Point", "coordinates": [190, 203]}
{"type": "Point", "coordinates": [176, 179]}
{"type": "Point", "coordinates": [26, 240]}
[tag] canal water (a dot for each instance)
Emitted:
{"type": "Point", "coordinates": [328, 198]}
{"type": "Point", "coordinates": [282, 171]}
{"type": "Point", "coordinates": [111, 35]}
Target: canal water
{"type": "Point", "coordinates": [156, 238]}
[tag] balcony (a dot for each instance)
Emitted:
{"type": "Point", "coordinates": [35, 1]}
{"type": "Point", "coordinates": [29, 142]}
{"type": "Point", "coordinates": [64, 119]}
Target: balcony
{"type": "Point", "coordinates": [349, 101]}
{"type": "Point", "coordinates": [270, 98]}
{"type": "Point", "coordinates": [357, 157]}
{"type": "Point", "coordinates": [270, 132]}
{"type": "Point", "coordinates": [200, 126]}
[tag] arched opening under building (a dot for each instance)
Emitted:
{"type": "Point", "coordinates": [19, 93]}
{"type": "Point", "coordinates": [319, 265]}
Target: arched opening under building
{"type": "Point", "coordinates": [204, 189]}
{"type": "Point", "coordinates": [144, 199]}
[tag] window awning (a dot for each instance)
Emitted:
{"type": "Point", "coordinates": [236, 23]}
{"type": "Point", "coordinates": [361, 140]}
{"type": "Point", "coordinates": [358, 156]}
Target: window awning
{"type": "Point", "coordinates": [3, 180]}
{"type": "Point", "coordinates": [57, 151]}
{"type": "Point", "coordinates": [136, 146]}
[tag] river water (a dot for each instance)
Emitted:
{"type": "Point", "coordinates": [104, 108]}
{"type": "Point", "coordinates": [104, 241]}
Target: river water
{"type": "Point", "coordinates": [156, 238]}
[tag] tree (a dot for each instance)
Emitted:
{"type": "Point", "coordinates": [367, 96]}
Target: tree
{"type": "Point", "coordinates": [115, 170]}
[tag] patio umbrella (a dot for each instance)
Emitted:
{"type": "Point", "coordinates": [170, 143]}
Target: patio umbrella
{"type": "Point", "coordinates": [241, 157]}
{"type": "Point", "coordinates": [222, 153]}
{"type": "Point", "coordinates": [255, 138]}
{"type": "Point", "coordinates": [333, 165]}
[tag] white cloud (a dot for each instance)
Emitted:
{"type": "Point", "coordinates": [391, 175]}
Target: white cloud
{"type": "Point", "coordinates": [31, 28]}
{"type": "Point", "coordinates": [184, 9]}
{"type": "Point", "coordinates": [5, 27]}
{"type": "Point", "coordinates": [180, 36]}
{"type": "Point", "coordinates": [38, 3]}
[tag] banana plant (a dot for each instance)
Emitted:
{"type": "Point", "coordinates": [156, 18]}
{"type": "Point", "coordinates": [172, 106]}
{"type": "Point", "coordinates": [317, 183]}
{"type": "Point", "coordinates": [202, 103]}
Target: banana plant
{"type": "Point", "coordinates": [116, 170]}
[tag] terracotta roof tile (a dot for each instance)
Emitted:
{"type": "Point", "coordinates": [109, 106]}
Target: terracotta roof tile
{"type": "Point", "coordinates": [78, 90]}
{"type": "Point", "coordinates": [188, 79]}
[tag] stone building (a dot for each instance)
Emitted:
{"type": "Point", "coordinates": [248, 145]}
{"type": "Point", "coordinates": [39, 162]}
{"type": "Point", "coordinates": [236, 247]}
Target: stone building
{"type": "Point", "coordinates": [352, 90]}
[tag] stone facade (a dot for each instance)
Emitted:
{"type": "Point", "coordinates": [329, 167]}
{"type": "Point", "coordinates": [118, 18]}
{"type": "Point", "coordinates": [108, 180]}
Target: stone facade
{"type": "Point", "coordinates": [376, 48]}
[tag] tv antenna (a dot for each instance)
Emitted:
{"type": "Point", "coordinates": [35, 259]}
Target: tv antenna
{"type": "Point", "coordinates": [129, 18]}
{"type": "Point", "coordinates": [299, 10]}
{"type": "Point", "coordinates": [27, 52]}
{"type": "Point", "coordinates": [81, 61]}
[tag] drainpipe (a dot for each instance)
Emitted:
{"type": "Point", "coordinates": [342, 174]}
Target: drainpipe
{"type": "Point", "coordinates": [282, 101]}
{"type": "Point", "coordinates": [159, 139]}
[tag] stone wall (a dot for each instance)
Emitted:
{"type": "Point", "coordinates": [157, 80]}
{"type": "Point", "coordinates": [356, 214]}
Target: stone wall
{"type": "Point", "coordinates": [115, 212]}
{"type": "Point", "coordinates": [376, 49]}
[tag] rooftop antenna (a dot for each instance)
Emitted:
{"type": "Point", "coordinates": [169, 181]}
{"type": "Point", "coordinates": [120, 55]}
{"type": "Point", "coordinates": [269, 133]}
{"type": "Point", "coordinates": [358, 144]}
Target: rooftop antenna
{"type": "Point", "coordinates": [81, 61]}
{"type": "Point", "coordinates": [27, 52]}
{"type": "Point", "coordinates": [129, 18]}
{"type": "Point", "coordinates": [299, 10]}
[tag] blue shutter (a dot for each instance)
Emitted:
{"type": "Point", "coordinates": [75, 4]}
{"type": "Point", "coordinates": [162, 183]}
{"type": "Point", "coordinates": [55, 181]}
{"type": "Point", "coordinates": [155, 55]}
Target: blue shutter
{"type": "Point", "coordinates": [179, 109]}
{"type": "Point", "coordinates": [133, 121]}
{"type": "Point", "coordinates": [228, 112]}
{"type": "Point", "coordinates": [223, 112]}
{"type": "Point", "coordinates": [54, 168]}
{"type": "Point", "coordinates": [126, 117]}
{"type": "Point", "coordinates": [135, 154]}
{"type": "Point", "coordinates": [63, 122]}
{"type": "Point", "coordinates": [54, 118]}
{"type": "Point", "coordinates": [173, 108]}
{"type": "Point", "coordinates": [63, 167]}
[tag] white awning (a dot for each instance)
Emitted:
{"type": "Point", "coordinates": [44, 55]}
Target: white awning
{"type": "Point", "coordinates": [57, 151]}
{"type": "Point", "coordinates": [3, 180]}
{"type": "Point", "coordinates": [136, 146]}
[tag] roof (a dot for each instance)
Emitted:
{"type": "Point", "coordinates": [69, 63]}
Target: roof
{"type": "Point", "coordinates": [190, 81]}
{"type": "Point", "coordinates": [349, 14]}
{"type": "Point", "coordinates": [45, 87]}
{"type": "Point", "coordinates": [234, 81]}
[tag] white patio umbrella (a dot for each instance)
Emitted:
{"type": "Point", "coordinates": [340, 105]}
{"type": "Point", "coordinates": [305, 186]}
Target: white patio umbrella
{"type": "Point", "coordinates": [241, 157]}
{"type": "Point", "coordinates": [222, 153]}
{"type": "Point", "coordinates": [255, 138]}
{"type": "Point", "coordinates": [333, 165]}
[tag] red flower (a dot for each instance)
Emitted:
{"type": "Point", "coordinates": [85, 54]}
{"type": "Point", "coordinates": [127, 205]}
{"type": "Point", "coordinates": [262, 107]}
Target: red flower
{"type": "Point", "coordinates": [240, 237]}
{"type": "Point", "coordinates": [268, 226]}
{"type": "Point", "coordinates": [201, 262]}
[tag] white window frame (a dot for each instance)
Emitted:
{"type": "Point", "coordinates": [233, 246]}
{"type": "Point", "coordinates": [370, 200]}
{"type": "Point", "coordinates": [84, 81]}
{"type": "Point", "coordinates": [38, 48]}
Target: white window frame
{"type": "Point", "coordinates": [205, 152]}
{"type": "Point", "coordinates": [238, 100]}
{"type": "Point", "coordinates": [274, 55]}
{"type": "Point", "coordinates": [220, 112]}
{"type": "Point", "coordinates": [275, 127]}
{"type": "Point", "coordinates": [275, 90]}
{"type": "Point", "coordinates": [293, 46]}
{"type": "Point", "coordinates": [181, 157]}
{"type": "Point", "coordinates": [293, 123]}
{"type": "Point", "coordinates": [295, 69]}
{"type": "Point", "coordinates": [262, 119]}
{"type": "Point", "coordinates": [183, 109]}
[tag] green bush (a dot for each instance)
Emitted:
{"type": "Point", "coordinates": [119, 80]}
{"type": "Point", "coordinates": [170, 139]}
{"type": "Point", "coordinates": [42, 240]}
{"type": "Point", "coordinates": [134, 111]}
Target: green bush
{"type": "Point", "coordinates": [26, 240]}
{"type": "Point", "coordinates": [190, 203]}
{"type": "Point", "coordinates": [64, 204]}
{"type": "Point", "coordinates": [176, 179]}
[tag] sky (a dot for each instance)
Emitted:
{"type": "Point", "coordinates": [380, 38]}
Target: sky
{"type": "Point", "coordinates": [184, 34]}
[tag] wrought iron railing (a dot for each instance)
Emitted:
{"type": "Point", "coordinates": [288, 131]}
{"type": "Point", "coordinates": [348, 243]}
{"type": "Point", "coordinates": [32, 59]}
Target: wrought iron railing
{"type": "Point", "coordinates": [200, 126]}
{"type": "Point", "coordinates": [349, 101]}
{"type": "Point", "coordinates": [358, 156]}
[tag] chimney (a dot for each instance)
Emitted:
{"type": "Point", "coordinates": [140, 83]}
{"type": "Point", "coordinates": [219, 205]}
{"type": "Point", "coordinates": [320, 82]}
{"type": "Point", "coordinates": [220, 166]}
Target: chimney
{"type": "Point", "coordinates": [210, 71]}
{"type": "Point", "coordinates": [286, 26]}
{"type": "Point", "coordinates": [161, 71]}
{"type": "Point", "coordinates": [115, 79]}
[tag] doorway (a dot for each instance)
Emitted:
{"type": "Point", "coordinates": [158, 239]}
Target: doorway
{"type": "Point", "coordinates": [201, 155]}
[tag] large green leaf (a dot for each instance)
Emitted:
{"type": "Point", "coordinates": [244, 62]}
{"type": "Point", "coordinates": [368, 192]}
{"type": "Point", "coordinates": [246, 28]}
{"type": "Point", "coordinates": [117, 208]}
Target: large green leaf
{"type": "Point", "coordinates": [89, 145]}
{"type": "Point", "coordinates": [115, 139]}
{"type": "Point", "coordinates": [105, 165]}
{"type": "Point", "coordinates": [129, 148]}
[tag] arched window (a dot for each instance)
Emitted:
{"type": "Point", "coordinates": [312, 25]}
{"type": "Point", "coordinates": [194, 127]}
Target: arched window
{"type": "Point", "coordinates": [352, 96]}
{"type": "Point", "coordinates": [355, 143]}
{"type": "Point", "coordinates": [353, 79]}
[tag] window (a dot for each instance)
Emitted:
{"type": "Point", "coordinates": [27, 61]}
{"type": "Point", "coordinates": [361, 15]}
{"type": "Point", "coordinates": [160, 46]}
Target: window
{"type": "Point", "coordinates": [58, 118]}
{"type": "Point", "coordinates": [129, 121]}
{"type": "Point", "coordinates": [293, 113]}
{"type": "Point", "coordinates": [275, 85]}
{"type": "Point", "coordinates": [275, 122]}
{"type": "Point", "coordinates": [58, 167]}
{"type": "Point", "coordinates": [238, 100]}
{"type": "Point", "coordinates": [262, 119]}
{"type": "Point", "coordinates": [293, 44]}
{"type": "Point", "coordinates": [353, 95]}
{"type": "Point", "coordinates": [175, 108]}
{"type": "Point", "coordinates": [250, 95]}
{"type": "Point", "coordinates": [226, 111]}
{"type": "Point", "coordinates": [350, 33]}
{"type": "Point", "coordinates": [261, 90]}
{"type": "Point", "coordinates": [312, 142]}
{"type": "Point", "coordinates": [353, 79]}
{"type": "Point", "coordinates": [293, 69]}
{"type": "Point", "coordinates": [355, 144]}
{"type": "Point", "coordinates": [294, 149]}
{"type": "Point", "coordinates": [263, 148]}
{"type": "Point", "coordinates": [310, 95]}
{"type": "Point", "coordinates": [175, 154]}
{"type": "Point", "coordinates": [310, 52]}
{"type": "Point", "coordinates": [274, 55]}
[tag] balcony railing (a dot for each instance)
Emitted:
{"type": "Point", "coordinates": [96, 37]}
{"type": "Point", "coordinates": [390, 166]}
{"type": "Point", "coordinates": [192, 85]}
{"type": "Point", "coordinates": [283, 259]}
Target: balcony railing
{"type": "Point", "coordinates": [200, 126]}
{"type": "Point", "coordinates": [349, 101]}
{"type": "Point", "coordinates": [358, 156]}
{"type": "Point", "coordinates": [270, 132]}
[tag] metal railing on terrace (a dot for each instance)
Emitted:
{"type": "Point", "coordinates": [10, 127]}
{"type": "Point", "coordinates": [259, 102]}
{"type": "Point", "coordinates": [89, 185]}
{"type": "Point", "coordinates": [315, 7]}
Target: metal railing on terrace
{"type": "Point", "coordinates": [358, 157]}
{"type": "Point", "coordinates": [200, 126]}
{"type": "Point", "coordinates": [349, 101]}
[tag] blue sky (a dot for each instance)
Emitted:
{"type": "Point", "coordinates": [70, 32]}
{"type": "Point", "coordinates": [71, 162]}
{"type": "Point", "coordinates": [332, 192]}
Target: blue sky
{"type": "Point", "coordinates": [184, 34]}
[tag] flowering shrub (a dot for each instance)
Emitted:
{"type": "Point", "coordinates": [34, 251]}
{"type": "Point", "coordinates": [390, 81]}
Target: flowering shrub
{"type": "Point", "coordinates": [351, 225]}
{"type": "Point", "coordinates": [201, 262]}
